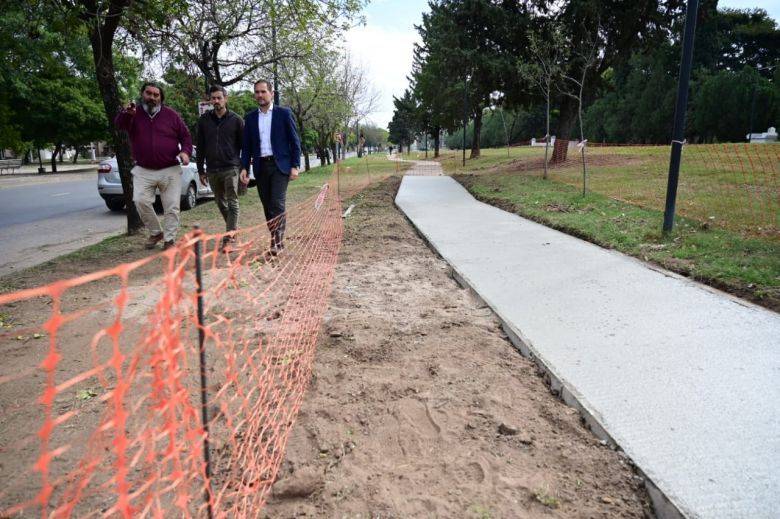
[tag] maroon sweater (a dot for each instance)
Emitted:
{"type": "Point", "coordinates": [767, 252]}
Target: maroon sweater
{"type": "Point", "coordinates": [156, 141]}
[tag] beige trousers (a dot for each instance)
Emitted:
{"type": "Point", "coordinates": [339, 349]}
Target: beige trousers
{"type": "Point", "coordinates": [168, 181]}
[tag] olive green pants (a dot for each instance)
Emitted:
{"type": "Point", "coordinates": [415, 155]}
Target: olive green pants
{"type": "Point", "coordinates": [225, 186]}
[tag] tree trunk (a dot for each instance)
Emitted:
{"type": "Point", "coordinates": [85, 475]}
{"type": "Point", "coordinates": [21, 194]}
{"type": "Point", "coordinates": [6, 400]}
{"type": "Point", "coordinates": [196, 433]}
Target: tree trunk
{"type": "Point", "coordinates": [436, 143]}
{"type": "Point", "coordinates": [475, 151]}
{"type": "Point", "coordinates": [547, 136]}
{"type": "Point", "coordinates": [321, 155]}
{"type": "Point", "coordinates": [304, 147]}
{"type": "Point", "coordinates": [102, 38]}
{"type": "Point", "coordinates": [57, 149]}
{"type": "Point", "coordinates": [582, 142]}
{"type": "Point", "coordinates": [76, 156]}
{"type": "Point", "coordinates": [566, 122]}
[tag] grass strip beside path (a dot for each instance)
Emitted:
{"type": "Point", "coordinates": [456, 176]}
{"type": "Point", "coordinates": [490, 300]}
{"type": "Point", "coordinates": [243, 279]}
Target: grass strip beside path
{"type": "Point", "coordinates": [744, 266]}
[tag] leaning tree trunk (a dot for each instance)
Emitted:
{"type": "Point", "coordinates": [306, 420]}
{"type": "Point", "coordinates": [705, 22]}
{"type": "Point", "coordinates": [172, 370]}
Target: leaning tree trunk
{"type": "Point", "coordinates": [475, 150]}
{"type": "Point", "coordinates": [101, 37]}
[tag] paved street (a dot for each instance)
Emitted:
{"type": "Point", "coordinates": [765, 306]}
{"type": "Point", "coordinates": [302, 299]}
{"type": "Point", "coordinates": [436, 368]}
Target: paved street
{"type": "Point", "coordinates": [44, 217]}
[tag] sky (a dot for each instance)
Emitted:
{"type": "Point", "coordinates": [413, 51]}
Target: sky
{"type": "Point", "coordinates": [384, 45]}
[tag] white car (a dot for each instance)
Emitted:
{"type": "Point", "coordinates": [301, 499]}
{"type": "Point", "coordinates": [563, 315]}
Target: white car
{"type": "Point", "coordinates": [110, 186]}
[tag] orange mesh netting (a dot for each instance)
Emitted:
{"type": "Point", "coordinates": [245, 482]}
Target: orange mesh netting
{"type": "Point", "coordinates": [101, 399]}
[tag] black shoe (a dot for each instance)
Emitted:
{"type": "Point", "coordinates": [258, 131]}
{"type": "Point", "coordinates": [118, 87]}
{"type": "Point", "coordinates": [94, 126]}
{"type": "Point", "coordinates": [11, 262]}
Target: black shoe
{"type": "Point", "coordinates": [276, 248]}
{"type": "Point", "coordinates": [225, 245]}
{"type": "Point", "coordinates": [151, 242]}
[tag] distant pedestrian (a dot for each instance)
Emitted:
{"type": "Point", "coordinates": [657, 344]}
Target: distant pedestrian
{"type": "Point", "coordinates": [272, 145]}
{"type": "Point", "coordinates": [161, 143]}
{"type": "Point", "coordinates": [220, 133]}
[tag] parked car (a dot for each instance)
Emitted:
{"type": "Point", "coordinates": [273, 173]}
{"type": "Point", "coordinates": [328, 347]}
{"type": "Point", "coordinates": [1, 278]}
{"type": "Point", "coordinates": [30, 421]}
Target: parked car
{"type": "Point", "coordinates": [110, 186]}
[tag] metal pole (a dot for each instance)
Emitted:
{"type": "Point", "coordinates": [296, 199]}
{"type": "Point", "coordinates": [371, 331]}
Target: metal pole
{"type": "Point", "coordinates": [273, 49]}
{"type": "Point", "coordinates": [202, 351]}
{"type": "Point", "coordinates": [679, 114]}
{"type": "Point", "coordinates": [465, 116]}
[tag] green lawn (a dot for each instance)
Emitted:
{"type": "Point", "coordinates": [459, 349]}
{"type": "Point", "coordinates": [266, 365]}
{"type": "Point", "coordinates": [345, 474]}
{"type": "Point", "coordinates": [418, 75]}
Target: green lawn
{"type": "Point", "coordinates": [747, 264]}
{"type": "Point", "coordinates": [732, 186]}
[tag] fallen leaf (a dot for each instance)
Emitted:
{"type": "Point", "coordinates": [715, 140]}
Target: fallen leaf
{"type": "Point", "coordinates": [86, 394]}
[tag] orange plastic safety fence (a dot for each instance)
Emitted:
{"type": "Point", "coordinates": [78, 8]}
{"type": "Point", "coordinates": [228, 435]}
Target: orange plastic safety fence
{"type": "Point", "coordinates": [101, 398]}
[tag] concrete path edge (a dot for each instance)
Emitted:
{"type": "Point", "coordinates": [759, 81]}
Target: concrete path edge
{"type": "Point", "coordinates": [664, 506]}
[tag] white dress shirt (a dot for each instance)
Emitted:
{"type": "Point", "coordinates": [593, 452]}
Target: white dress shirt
{"type": "Point", "coordinates": [264, 124]}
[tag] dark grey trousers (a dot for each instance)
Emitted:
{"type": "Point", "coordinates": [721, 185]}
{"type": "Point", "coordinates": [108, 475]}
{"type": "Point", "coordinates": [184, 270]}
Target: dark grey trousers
{"type": "Point", "coordinates": [272, 188]}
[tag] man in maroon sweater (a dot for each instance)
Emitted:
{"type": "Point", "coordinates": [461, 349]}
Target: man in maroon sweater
{"type": "Point", "coordinates": [160, 141]}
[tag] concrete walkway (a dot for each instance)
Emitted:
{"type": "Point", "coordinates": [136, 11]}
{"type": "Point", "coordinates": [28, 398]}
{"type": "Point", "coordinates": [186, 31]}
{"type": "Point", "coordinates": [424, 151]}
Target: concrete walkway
{"type": "Point", "coordinates": [685, 379]}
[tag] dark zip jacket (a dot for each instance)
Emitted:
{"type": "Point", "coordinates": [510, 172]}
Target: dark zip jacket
{"type": "Point", "coordinates": [219, 141]}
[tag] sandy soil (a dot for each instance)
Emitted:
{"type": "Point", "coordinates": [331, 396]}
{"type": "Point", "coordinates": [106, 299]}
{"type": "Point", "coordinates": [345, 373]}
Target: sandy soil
{"type": "Point", "coordinates": [420, 407]}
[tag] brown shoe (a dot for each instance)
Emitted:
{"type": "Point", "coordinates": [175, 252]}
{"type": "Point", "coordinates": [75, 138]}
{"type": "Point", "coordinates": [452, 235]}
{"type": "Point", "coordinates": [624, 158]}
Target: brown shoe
{"type": "Point", "coordinates": [151, 242]}
{"type": "Point", "coordinates": [168, 244]}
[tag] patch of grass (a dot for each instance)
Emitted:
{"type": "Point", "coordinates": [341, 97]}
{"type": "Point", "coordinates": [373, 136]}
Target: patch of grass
{"type": "Point", "coordinates": [546, 499]}
{"type": "Point", "coordinates": [728, 186]}
{"type": "Point", "coordinates": [746, 266]}
{"type": "Point", "coordinates": [480, 511]}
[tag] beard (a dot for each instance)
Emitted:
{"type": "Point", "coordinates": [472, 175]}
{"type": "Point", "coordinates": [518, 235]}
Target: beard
{"type": "Point", "coordinates": [150, 108]}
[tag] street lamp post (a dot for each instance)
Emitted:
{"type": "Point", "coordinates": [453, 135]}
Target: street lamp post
{"type": "Point", "coordinates": [273, 50]}
{"type": "Point", "coordinates": [679, 114]}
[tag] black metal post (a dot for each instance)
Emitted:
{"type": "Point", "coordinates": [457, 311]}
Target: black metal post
{"type": "Point", "coordinates": [679, 114]}
{"type": "Point", "coordinates": [465, 115]}
{"type": "Point", "coordinates": [202, 351]}
{"type": "Point", "coordinates": [273, 49]}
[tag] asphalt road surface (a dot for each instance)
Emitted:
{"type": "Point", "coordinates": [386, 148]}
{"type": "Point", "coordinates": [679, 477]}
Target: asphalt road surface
{"type": "Point", "coordinates": [44, 217]}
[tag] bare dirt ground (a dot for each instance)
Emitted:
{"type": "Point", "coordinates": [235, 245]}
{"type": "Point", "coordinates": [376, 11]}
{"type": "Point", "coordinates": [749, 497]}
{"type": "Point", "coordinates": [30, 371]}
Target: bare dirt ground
{"type": "Point", "coordinates": [420, 407]}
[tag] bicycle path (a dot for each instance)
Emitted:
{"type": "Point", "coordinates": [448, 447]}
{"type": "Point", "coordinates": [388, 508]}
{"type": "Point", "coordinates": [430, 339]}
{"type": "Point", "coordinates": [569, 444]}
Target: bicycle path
{"type": "Point", "coordinates": [684, 378]}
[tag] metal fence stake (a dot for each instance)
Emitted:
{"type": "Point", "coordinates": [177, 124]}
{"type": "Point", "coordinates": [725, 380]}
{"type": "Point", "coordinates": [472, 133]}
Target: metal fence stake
{"type": "Point", "coordinates": [202, 352]}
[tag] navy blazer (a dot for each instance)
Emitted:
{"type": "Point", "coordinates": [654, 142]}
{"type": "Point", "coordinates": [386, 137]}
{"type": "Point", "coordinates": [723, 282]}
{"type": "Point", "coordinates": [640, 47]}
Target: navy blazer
{"type": "Point", "coordinates": [285, 143]}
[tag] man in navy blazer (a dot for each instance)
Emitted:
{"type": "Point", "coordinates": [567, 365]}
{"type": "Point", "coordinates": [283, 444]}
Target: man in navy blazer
{"type": "Point", "coordinates": [272, 145]}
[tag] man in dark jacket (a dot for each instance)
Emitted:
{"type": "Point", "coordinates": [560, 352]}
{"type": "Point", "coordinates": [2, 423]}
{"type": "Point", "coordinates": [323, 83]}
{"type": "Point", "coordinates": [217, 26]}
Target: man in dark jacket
{"type": "Point", "coordinates": [220, 132]}
{"type": "Point", "coordinates": [272, 145]}
{"type": "Point", "coordinates": [160, 142]}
